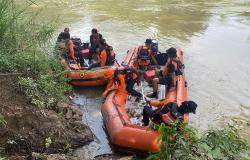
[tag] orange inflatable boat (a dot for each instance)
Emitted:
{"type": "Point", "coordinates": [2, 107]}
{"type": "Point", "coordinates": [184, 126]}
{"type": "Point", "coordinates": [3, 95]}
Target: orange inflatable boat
{"type": "Point", "coordinates": [82, 77]}
{"type": "Point", "coordinates": [125, 136]}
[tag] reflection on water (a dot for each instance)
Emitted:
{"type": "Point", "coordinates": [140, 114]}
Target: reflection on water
{"type": "Point", "coordinates": [215, 37]}
{"type": "Point", "coordinates": [90, 102]}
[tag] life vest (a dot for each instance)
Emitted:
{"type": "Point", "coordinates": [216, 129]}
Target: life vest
{"type": "Point", "coordinates": [128, 72]}
{"type": "Point", "coordinates": [143, 56]}
{"type": "Point", "coordinates": [165, 114]}
{"type": "Point", "coordinates": [110, 56]}
{"type": "Point", "coordinates": [177, 71]}
{"type": "Point", "coordinates": [131, 74]}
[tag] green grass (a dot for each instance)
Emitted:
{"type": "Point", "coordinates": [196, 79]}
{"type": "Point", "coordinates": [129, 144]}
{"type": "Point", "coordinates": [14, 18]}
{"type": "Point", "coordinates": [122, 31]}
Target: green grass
{"type": "Point", "coordinates": [26, 48]}
{"type": "Point", "coordinates": [2, 121]}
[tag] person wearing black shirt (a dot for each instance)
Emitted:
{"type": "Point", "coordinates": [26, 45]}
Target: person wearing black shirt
{"type": "Point", "coordinates": [95, 39]}
{"type": "Point", "coordinates": [61, 35]}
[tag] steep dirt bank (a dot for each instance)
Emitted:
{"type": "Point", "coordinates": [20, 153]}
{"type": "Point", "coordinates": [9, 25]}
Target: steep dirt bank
{"type": "Point", "coordinates": [30, 129]}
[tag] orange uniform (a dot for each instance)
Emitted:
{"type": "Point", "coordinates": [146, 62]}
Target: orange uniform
{"type": "Point", "coordinates": [159, 103]}
{"type": "Point", "coordinates": [71, 49]}
{"type": "Point", "coordinates": [122, 83]}
{"type": "Point", "coordinates": [102, 58]}
{"type": "Point", "coordinates": [125, 79]}
{"type": "Point", "coordinates": [121, 79]}
{"type": "Point", "coordinates": [165, 70]}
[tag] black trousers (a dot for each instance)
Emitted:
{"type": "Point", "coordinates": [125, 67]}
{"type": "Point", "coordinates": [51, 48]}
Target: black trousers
{"type": "Point", "coordinates": [147, 114]}
{"type": "Point", "coordinates": [130, 88]}
{"type": "Point", "coordinates": [79, 58]}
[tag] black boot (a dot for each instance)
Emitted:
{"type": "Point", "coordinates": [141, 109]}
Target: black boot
{"type": "Point", "coordinates": [153, 95]}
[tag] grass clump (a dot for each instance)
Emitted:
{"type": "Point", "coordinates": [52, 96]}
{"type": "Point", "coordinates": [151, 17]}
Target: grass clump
{"type": "Point", "coordinates": [26, 48]}
{"type": "Point", "coordinates": [214, 144]}
{"type": "Point", "coordinates": [2, 121]}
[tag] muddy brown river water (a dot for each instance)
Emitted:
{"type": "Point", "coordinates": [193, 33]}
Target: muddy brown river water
{"type": "Point", "coordinates": [215, 38]}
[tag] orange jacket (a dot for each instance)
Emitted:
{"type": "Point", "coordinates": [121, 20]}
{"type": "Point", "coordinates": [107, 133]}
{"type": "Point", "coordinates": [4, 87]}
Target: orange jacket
{"type": "Point", "coordinates": [165, 70]}
{"type": "Point", "coordinates": [102, 58]}
{"type": "Point", "coordinates": [156, 103]}
{"type": "Point", "coordinates": [121, 77]}
{"type": "Point", "coordinates": [71, 49]}
{"type": "Point", "coordinates": [110, 86]}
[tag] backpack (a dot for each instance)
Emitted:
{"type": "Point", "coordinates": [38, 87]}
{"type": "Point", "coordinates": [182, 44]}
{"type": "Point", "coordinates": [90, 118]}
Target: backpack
{"type": "Point", "coordinates": [77, 45]}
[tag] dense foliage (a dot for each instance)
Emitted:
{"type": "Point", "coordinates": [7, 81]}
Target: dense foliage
{"type": "Point", "coordinates": [26, 48]}
{"type": "Point", "coordinates": [214, 144]}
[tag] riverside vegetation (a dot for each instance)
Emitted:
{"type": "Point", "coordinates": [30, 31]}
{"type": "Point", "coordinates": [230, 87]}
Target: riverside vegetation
{"type": "Point", "coordinates": [33, 88]}
{"type": "Point", "coordinates": [214, 144]}
{"type": "Point", "coordinates": [26, 50]}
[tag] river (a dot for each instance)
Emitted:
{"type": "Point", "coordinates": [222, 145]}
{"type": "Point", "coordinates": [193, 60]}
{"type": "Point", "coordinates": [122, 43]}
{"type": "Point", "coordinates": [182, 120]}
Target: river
{"type": "Point", "coordinates": [214, 35]}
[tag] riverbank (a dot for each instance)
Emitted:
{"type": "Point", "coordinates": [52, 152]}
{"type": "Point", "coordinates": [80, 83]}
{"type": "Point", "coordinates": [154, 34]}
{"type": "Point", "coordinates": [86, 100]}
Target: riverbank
{"type": "Point", "coordinates": [29, 129]}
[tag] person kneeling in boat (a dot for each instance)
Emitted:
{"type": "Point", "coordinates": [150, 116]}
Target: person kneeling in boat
{"type": "Point", "coordinates": [146, 56]}
{"type": "Point", "coordinates": [165, 106]}
{"type": "Point", "coordinates": [126, 77]}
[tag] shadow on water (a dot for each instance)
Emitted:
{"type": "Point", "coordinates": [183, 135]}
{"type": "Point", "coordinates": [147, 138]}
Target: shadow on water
{"type": "Point", "coordinates": [90, 103]}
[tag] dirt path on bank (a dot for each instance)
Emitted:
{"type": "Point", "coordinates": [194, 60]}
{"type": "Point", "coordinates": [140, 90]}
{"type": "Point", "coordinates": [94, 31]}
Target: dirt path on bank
{"type": "Point", "coordinates": [28, 128]}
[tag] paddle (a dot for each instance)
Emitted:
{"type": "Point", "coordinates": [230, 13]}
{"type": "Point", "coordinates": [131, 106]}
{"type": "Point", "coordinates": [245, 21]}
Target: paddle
{"type": "Point", "coordinates": [142, 92]}
{"type": "Point", "coordinates": [145, 100]}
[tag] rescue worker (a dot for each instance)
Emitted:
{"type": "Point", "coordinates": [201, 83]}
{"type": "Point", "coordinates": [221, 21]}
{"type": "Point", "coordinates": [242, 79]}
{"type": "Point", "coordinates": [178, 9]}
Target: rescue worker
{"type": "Point", "coordinates": [132, 77]}
{"type": "Point", "coordinates": [71, 50]}
{"type": "Point", "coordinates": [110, 59]}
{"type": "Point", "coordinates": [126, 77]}
{"type": "Point", "coordinates": [95, 38]}
{"type": "Point", "coordinates": [67, 46]}
{"type": "Point", "coordinates": [146, 55]}
{"type": "Point", "coordinates": [165, 106]}
{"type": "Point", "coordinates": [61, 37]}
{"type": "Point", "coordinates": [169, 80]}
{"type": "Point", "coordinates": [167, 76]}
{"type": "Point", "coordinates": [100, 55]}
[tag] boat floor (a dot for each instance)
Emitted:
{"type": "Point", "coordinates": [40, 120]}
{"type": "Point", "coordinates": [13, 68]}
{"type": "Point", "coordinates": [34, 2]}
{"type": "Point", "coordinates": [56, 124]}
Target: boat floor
{"type": "Point", "coordinates": [135, 109]}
